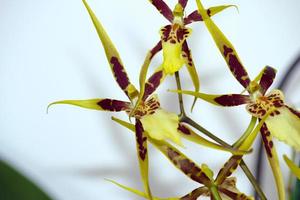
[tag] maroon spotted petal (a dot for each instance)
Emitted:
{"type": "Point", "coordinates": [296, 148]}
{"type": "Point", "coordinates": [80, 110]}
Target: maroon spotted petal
{"type": "Point", "coordinates": [156, 49]}
{"type": "Point", "coordinates": [187, 166]}
{"type": "Point", "coordinates": [267, 139]}
{"type": "Point", "coordinates": [235, 66]}
{"type": "Point", "coordinates": [193, 17]}
{"type": "Point", "coordinates": [152, 83]}
{"type": "Point", "coordinates": [232, 99]}
{"type": "Point", "coordinates": [267, 79]}
{"type": "Point", "coordinates": [113, 105]}
{"type": "Point", "coordinates": [183, 3]}
{"type": "Point", "coordinates": [228, 168]}
{"type": "Point", "coordinates": [163, 8]}
{"type": "Point", "coordinates": [141, 140]}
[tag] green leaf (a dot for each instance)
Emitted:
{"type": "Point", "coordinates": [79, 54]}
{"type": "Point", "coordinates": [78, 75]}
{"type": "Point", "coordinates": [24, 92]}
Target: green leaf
{"type": "Point", "coordinates": [15, 186]}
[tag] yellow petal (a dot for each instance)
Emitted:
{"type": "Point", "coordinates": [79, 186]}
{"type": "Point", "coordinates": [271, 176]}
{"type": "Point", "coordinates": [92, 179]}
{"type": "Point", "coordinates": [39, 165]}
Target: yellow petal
{"type": "Point", "coordinates": [162, 125]}
{"type": "Point", "coordinates": [294, 168]}
{"type": "Point", "coordinates": [285, 127]}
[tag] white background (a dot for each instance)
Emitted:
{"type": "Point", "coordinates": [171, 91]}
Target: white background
{"type": "Point", "coordinates": [49, 51]}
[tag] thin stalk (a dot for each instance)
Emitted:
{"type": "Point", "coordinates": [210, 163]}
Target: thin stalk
{"type": "Point", "coordinates": [180, 99]}
{"type": "Point", "coordinates": [248, 131]}
{"type": "Point", "coordinates": [215, 193]}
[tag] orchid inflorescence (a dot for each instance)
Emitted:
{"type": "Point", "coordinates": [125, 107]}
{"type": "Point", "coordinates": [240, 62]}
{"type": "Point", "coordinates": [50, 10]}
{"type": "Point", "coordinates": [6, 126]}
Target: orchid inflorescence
{"type": "Point", "coordinates": [271, 116]}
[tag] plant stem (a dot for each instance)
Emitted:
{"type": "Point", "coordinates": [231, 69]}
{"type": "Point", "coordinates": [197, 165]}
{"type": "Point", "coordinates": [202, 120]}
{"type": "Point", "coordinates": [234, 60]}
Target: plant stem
{"type": "Point", "coordinates": [248, 131]}
{"type": "Point", "coordinates": [180, 99]}
{"type": "Point", "coordinates": [215, 193]}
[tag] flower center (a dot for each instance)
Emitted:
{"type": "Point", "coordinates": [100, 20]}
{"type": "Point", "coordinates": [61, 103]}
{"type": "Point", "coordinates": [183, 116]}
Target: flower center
{"type": "Point", "coordinates": [147, 108]}
{"type": "Point", "coordinates": [262, 104]}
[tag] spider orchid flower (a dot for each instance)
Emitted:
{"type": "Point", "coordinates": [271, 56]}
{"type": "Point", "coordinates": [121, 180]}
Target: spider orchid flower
{"type": "Point", "coordinates": [201, 174]}
{"type": "Point", "coordinates": [283, 122]}
{"type": "Point", "coordinates": [151, 121]}
{"type": "Point", "coordinates": [174, 46]}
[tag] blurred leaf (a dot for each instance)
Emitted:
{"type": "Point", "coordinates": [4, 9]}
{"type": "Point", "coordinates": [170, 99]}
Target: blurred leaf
{"type": "Point", "coordinates": [15, 186]}
{"type": "Point", "coordinates": [296, 190]}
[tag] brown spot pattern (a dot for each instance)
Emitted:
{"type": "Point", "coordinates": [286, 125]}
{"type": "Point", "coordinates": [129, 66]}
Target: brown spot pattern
{"type": "Point", "coordinates": [183, 3]}
{"type": "Point", "coordinates": [119, 72]}
{"type": "Point", "coordinates": [141, 140]}
{"type": "Point", "coordinates": [236, 67]}
{"type": "Point", "coordinates": [156, 49]}
{"type": "Point", "coordinates": [228, 168]}
{"type": "Point", "coordinates": [295, 112]}
{"type": "Point", "coordinates": [113, 105]}
{"type": "Point", "coordinates": [193, 17]}
{"type": "Point", "coordinates": [264, 103]}
{"type": "Point", "coordinates": [267, 79]}
{"type": "Point", "coordinates": [152, 84]}
{"type": "Point", "coordinates": [265, 134]}
{"type": "Point", "coordinates": [174, 33]}
{"type": "Point", "coordinates": [187, 167]}
{"type": "Point", "coordinates": [232, 100]}
{"type": "Point", "coordinates": [147, 107]}
{"type": "Point", "coordinates": [163, 8]}
{"type": "Point", "coordinates": [182, 128]}
{"type": "Point", "coordinates": [186, 54]}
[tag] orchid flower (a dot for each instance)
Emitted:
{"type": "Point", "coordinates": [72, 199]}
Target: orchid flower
{"type": "Point", "coordinates": [151, 121]}
{"type": "Point", "coordinates": [223, 190]}
{"type": "Point", "coordinates": [176, 51]}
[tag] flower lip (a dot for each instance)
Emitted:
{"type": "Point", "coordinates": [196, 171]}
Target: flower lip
{"type": "Point", "coordinates": [161, 125]}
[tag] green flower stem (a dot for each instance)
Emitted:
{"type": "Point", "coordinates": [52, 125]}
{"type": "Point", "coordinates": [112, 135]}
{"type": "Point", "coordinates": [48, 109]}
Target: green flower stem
{"type": "Point", "coordinates": [180, 99]}
{"type": "Point", "coordinates": [215, 193]}
{"type": "Point", "coordinates": [248, 131]}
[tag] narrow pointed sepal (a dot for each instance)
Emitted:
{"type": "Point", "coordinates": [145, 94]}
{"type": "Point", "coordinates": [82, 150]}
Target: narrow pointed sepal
{"type": "Point", "coordinates": [97, 104]}
{"type": "Point", "coordinates": [141, 142]}
{"type": "Point", "coordinates": [182, 162]}
{"type": "Point", "coordinates": [195, 16]}
{"type": "Point", "coordinates": [163, 8]}
{"type": "Point", "coordinates": [112, 56]}
{"type": "Point", "coordinates": [273, 160]}
{"type": "Point", "coordinates": [187, 55]}
{"type": "Point", "coordinates": [183, 3]}
{"type": "Point", "coordinates": [293, 167]}
{"type": "Point", "coordinates": [267, 79]}
{"type": "Point", "coordinates": [220, 100]}
{"type": "Point", "coordinates": [226, 48]}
